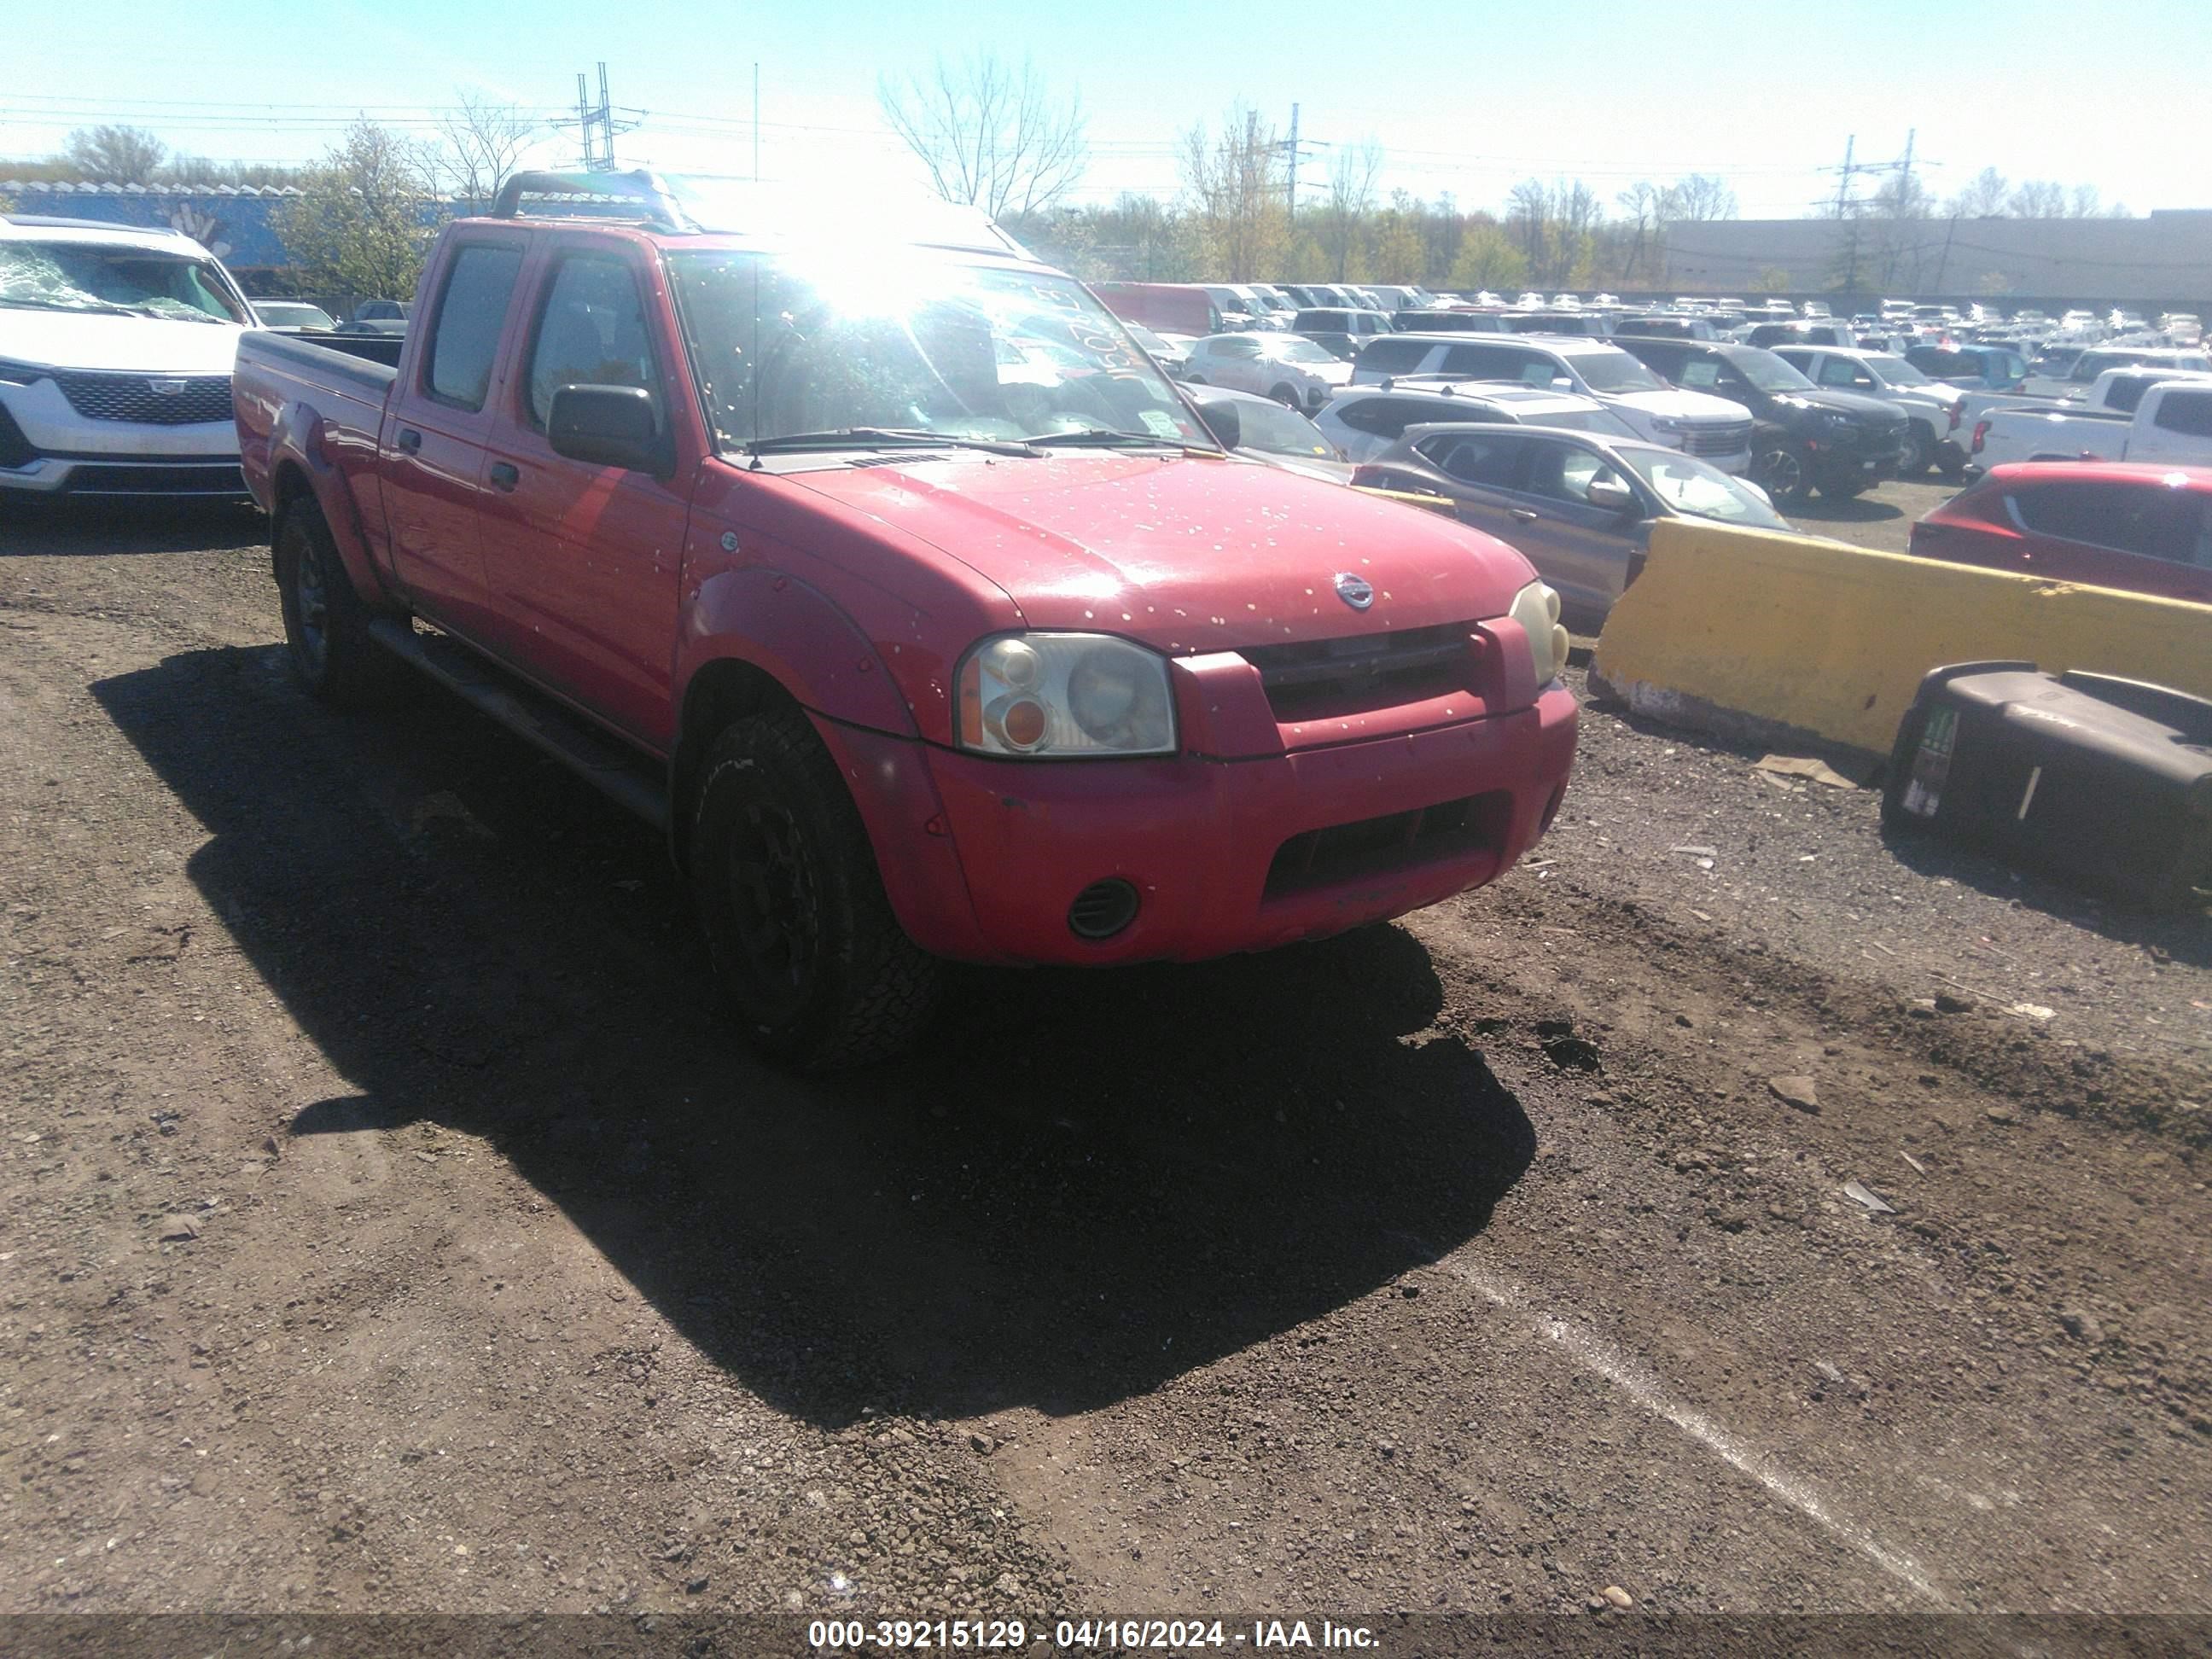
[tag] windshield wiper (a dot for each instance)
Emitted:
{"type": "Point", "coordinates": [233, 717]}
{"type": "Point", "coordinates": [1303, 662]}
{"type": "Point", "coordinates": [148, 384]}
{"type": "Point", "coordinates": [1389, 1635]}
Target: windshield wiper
{"type": "Point", "coordinates": [101, 306]}
{"type": "Point", "coordinates": [1106, 437]}
{"type": "Point", "coordinates": [885, 437]}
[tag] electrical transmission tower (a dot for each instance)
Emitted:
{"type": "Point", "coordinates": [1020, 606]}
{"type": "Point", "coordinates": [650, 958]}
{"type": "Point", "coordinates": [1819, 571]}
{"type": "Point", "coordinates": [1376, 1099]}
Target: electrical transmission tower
{"type": "Point", "coordinates": [599, 125]}
{"type": "Point", "coordinates": [1294, 149]}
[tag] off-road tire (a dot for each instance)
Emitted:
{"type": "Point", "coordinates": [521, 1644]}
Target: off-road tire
{"type": "Point", "coordinates": [326, 634]}
{"type": "Point", "coordinates": [814, 966]}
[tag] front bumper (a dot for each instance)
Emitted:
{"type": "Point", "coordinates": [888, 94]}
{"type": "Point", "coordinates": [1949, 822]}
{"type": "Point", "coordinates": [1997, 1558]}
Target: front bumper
{"type": "Point", "coordinates": [1225, 855]}
{"type": "Point", "coordinates": [1832, 462]}
{"type": "Point", "coordinates": [47, 448]}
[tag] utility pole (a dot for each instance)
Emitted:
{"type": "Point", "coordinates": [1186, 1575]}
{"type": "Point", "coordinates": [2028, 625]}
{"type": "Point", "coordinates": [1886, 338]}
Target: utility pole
{"type": "Point", "coordinates": [1844, 184]}
{"type": "Point", "coordinates": [1905, 170]}
{"type": "Point", "coordinates": [596, 127]}
{"type": "Point", "coordinates": [1290, 210]}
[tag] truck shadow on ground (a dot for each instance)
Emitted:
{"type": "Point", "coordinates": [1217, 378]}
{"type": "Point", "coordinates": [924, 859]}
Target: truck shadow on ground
{"type": "Point", "coordinates": [102, 528]}
{"type": "Point", "coordinates": [1084, 1185]}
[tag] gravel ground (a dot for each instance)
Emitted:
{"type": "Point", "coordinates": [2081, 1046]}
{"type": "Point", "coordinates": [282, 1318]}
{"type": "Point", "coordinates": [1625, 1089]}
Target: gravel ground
{"type": "Point", "coordinates": [390, 1226]}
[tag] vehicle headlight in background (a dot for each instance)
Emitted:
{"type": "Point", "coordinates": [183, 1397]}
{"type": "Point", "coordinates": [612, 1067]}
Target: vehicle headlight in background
{"type": "Point", "coordinates": [1837, 421]}
{"type": "Point", "coordinates": [1665, 423]}
{"type": "Point", "coordinates": [20, 374]}
{"type": "Point", "coordinates": [1063, 695]}
{"type": "Point", "coordinates": [1536, 608]}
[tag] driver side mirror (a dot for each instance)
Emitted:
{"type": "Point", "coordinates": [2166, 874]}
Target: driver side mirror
{"type": "Point", "coordinates": [608, 425]}
{"type": "Point", "coordinates": [1223, 422]}
{"type": "Point", "coordinates": [1609, 495]}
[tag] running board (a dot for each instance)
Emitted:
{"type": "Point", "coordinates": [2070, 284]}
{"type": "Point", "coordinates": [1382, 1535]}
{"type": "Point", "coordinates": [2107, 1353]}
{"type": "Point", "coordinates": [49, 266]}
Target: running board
{"type": "Point", "coordinates": [531, 715]}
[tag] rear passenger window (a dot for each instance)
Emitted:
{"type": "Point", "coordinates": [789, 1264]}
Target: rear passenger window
{"type": "Point", "coordinates": [2146, 519]}
{"type": "Point", "coordinates": [2188, 412]}
{"type": "Point", "coordinates": [1393, 356]}
{"type": "Point", "coordinates": [471, 312]}
{"type": "Point", "coordinates": [1485, 461]}
{"type": "Point", "coordinates": [592, 332]}
{"type": "Point", "coordinates": [1484, 363]}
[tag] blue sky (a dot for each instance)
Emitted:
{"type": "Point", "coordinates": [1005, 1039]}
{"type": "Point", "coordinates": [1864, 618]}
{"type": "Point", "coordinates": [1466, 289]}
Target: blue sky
{"type": "Point", "coordinates": [1462, 96]}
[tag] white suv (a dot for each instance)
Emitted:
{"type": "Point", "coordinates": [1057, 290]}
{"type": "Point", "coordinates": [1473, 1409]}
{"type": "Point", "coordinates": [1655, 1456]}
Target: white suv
{"type": "Point", "coordinates": [116, 348]}
{"type": "Point", "coordinates": [1711, 429]}
{"type": "Point", "coordinates": [1365, 421]}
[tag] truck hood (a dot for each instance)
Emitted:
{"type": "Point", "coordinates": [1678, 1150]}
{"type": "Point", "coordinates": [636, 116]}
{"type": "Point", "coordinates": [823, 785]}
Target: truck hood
{"type": "Point", "coordinates": [1185, 554]}
{"type": "Point", "coordinates": [1673, 406]}
{"type": "Point", "coordinates": [62, 339]}
{"type": "Point", "coordinates": [1875, 410]}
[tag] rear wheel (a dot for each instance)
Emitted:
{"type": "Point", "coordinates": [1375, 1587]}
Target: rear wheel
{"type": "Point", "coordinates": [816, 966]}
{"type": "Point", "coordinates": [1919, 452]}
{"type": "Point", "coordinates": [1781, 472]}
{"type": "Point", "coordinates": [1285, 396]}
{"type": "Point", "coordinates": [325, 624]}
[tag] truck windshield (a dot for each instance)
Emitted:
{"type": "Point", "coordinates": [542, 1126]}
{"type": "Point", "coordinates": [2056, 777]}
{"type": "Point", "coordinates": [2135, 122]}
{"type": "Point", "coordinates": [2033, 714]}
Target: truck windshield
{"type": "Point", "coordinates": [1895, 371]}
{"type": "Point", "coordinates": [782, 348]}
{"type": "Point", "coordinates": [135, 282]}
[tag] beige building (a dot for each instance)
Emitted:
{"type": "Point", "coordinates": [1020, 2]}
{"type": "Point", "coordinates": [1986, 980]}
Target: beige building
{"type": "Point", "coordinates": [2164, 261]}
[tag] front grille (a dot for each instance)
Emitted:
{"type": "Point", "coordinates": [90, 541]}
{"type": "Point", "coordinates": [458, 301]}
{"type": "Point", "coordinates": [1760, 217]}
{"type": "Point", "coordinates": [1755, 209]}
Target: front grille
{"type": "Point", "coordinates": [1321, 679]}
{"type": "Point", "coordinates": [97, 478]}
{"type": "Point", "coordinates": [1396, 840]}
{"type": "Point", "coordinates": [15, 448]}
{"type": "Point", "coordinates": [1731, 438]}
{"type": "Point", "coordinates": [101, 396]}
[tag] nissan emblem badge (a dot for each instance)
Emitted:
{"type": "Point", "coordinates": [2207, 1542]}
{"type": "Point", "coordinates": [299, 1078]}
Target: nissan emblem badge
{"type": "Point", "coordinates": [1355, 590]}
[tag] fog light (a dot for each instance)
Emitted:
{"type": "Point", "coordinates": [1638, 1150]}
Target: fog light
{"type": "Point", "coordinates": [1103, 909]}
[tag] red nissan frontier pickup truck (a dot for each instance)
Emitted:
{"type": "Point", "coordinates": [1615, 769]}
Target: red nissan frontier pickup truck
{"type": "Point", "coordinates": [887, 575]}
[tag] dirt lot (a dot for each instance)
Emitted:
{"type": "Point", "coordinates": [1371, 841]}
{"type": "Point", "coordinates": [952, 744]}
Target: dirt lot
{"type": "Point", "coordinates": [388, 1223]}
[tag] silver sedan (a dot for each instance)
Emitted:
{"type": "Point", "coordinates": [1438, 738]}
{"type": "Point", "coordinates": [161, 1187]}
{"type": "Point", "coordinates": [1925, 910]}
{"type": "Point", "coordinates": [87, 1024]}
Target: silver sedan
{"type": "Point", "coordinates": [1577, 506]}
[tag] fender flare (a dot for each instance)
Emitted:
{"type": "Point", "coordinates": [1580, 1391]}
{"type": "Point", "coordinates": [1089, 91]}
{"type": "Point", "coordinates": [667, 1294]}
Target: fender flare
{"type": "Point", "coordinates": [801, 637]}
{"type": "Point", "coordinates": [298, 465]}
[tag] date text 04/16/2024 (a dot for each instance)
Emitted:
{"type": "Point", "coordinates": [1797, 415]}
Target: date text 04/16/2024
{"type": "Point", "coordinates": [834, 1635]}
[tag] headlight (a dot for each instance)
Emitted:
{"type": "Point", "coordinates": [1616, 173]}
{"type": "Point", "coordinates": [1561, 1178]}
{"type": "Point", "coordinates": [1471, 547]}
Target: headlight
{"type": "Point", "coordinates": [1065, 696]}
{"type": "Point", "coordinates": [1665, 423]}
{"type": "Point", "coordinates": [1837, 422]}
{"type": "Point", "coordinates": [1536, 608]}
{"type": "Point", "coordinates": [20, 374]}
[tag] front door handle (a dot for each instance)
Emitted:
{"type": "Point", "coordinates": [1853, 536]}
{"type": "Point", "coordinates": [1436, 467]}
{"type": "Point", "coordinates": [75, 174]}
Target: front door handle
{"type": "Point", "coordinates": [505, 475]}
{"type": "Point", "coordinates": [409, 439]}
{"type": "Point", "coordinates": [1523, 515]}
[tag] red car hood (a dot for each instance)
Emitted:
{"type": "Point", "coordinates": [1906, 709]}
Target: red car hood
{"type": "Point", "coordinates": [1186, 553]}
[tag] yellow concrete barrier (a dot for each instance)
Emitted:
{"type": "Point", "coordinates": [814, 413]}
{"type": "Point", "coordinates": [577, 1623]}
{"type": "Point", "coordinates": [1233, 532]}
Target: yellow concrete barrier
{"type": "Point", "coordinates": [1757, 634]}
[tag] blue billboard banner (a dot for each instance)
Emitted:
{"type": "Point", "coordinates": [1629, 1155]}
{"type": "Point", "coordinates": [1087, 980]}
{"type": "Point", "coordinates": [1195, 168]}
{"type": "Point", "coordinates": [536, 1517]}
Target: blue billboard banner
{"type": "Point", "coordinates": [233, 222]}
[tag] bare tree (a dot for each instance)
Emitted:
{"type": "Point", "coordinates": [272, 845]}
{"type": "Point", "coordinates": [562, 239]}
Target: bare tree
{"type": "Point", "coordinates": [2037, 199]}
{"type": "Point", "coordinates": [990, 134]}
{"type": "Point", "coordinates": [484, 145]}
{"type": "Point", "coordinates": [1528, 220]}
{"type": "Point", "coordinates": [1698, 197]}
{"type": "Point", "coordinates": [1353, 179]}
{"type": "Point", "coordinates": [127, 156]}
{"type": "Point", "coordinates": [1645, 203]}
{"type": "Point", "coordinates": [1234, 180]}
{"type": "Point", "coordinates": [1983, 196]}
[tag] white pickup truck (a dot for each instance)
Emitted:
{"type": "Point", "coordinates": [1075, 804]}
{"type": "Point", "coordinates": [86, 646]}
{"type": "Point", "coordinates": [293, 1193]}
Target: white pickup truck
{"type": "Point", "coordinates": [2130, 415]}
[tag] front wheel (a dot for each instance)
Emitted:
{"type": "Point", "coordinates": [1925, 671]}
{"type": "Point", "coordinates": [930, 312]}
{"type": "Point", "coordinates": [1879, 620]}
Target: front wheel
{"type": "Point", "coordinates": [1781, 472]}
{"type": "Point", "coordinates": [814, 963]}
{"type": "Point", "coordinates": [1288, 399]}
